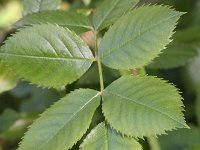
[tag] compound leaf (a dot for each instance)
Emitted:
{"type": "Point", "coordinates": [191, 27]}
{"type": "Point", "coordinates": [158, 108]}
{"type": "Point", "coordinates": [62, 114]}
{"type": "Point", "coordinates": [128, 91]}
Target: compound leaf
{"type": "Point", "coordinates": [62, 125]}
{"type": "Point", "coordinates": [7, 79]}
{"type": "Point", "coordinates": [48, 55]}
{"type": "Point", "coordinates": [104, 138]}
{"type": "Point", "coordinates": [143, 106]}
{"type": "Point", "coordinates": [110, 10]}
{"type": "Point", "coordinates": [138, 37]}
{"type": "Point", "coordinates": [33, 6]}
{"type": "Point", "coordinates": [76, 22]}
{"type": "Point", "coordinates": [175, 55]}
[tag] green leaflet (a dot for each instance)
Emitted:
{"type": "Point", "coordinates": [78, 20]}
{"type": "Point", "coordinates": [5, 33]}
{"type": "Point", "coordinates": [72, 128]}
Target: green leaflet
{"type": "Point", "coordinates": [7, 119]}
{"type": "Point", "coordinates": [33, 6]}
{"type": "Point", "coordinates": [47, 55]}
{"type": "Point", "coordinates": [76, 22]}
{"type": "Point", "coordinates": [143, 106]}
{"type": "Point", "coordinates": [110, 10]}
{"type": "Point", "coordinates": [7, 79]}
{"type": "Point", "coordinates": [62, 125]}
{"type": "Point", "coordinates": [138, 37]}
{"type": "Point", "coordinates": [104, 138]}
{"type": "Point", "coordinates": [175, 55]}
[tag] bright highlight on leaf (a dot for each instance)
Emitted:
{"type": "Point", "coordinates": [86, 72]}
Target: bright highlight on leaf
{"type": "Point", "coordinates": [47, 55]}
{"type": "Point", "coordinates": [33, 6]}
{"type": "Point", "coordinates": [110, 10]}
{"type": "Point", "coordinates": [138, 37]}
{"type": "Point", "coordinates": [143, 106]}
{"type": "Point", "coordinates": [76, 22]}
{"type": "Point", "coordinates": [62, 125]}
{"type": "Point", "coordinates": [103, 137]}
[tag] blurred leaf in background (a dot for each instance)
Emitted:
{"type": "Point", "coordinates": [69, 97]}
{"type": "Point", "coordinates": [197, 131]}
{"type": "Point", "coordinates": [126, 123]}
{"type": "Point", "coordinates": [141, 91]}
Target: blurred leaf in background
{"type": "Point", "coordinates": [10, 13]}
{"type": "Point", "coordinates": [7, 119]}
{"type": "Point", "coordinates": [7, 78]}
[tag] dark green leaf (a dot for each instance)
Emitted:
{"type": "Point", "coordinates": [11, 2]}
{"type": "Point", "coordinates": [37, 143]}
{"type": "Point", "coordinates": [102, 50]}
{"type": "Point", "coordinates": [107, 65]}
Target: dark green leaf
{"type": "Point", "coordinates": [182, 139]}
{"type": "Point", "coordinates": [76, 22]}
{"type": "Point", "coordinates": [110, 10]}
{"type": "Point", "coordinates": [175, 55]}
{"type": "Point", "coordinates": [7, 119]}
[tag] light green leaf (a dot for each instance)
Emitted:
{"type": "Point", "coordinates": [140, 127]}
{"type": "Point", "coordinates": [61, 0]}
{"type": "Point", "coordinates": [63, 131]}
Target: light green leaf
{"type": "Point", "coordinates": [104, 138]}
{"type": "Point", "coordinates": [48, 55]}
{"type": "Point", "coordinates": [62, 125]}
{"type": "Point", "coordinates": [76, 22]}
{"type": "Point", "coordinates": [143, 106]}
{"type": "Point", "coordinates": [110, 10]}
{"type": "Point", "coordinates": [33, 6]}
{"type": "Point", "coordinates": [7, 79]}
{"type": "Point", "coordinates": [7, 119]}
{"type": "Point", "coordinates": [175, 55]}
{"type": "Point", "coordinates": [138, 37]}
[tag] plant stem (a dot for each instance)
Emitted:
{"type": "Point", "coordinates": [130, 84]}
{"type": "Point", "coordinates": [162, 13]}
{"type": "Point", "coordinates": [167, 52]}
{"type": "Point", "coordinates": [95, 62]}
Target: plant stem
{"type": "Point", "coordinates": [99, 64]}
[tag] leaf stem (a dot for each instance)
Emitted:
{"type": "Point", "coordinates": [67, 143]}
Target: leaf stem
{"type": "Point", "coordinates": [99, 63]}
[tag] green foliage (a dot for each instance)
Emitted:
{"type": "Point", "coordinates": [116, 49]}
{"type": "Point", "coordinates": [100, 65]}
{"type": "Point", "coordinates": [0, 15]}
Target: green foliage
{"type": "Point", "coordinates": [60, 47]}
{"type": "Point", "coordinates": [7, 119]}
{"type": "Point", "coordinates": [103, 137]}
{"type": "Point", "coordinates": [125, 47]}
{"type": "Point", "coordinates": [182, 139]}
{"type": "Point", "coordinates": [7, 79]}
{"type": "Point", "coordinates": [140, 101]}
{"type": "Point", "coordinates": [76, 22]}
{"type": "Point", "coordinates": [175, 55]}
{"type": "Point", "coordinates": [62, 125]}
{"type": "Point", "coordinates": [40, 5]}
{"type": "Point", "coordinates": [110, 10]}
{"type": "Point", "coordinates": [48, 53]}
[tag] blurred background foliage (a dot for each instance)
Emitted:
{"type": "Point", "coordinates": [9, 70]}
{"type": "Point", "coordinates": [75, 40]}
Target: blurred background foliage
{"type": "Point", "coordinates": [20, 102]}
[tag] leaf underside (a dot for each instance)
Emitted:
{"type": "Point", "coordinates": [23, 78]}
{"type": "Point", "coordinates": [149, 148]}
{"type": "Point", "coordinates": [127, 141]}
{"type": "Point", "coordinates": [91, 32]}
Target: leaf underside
{"type": "Point", "coordinates": [138, 37]}
{"type": "Point", "coordinates": [33, 6]}
{"type": "Point", "coordinates": [143, 106]}
{"type": "Point", "coordinates": [76, 22]}
{"type": "Point", "coordinates": [175, 55]}
{"type": "Point", "coordinates": [47, 55]}
{"type": "Point", "coordinates": [62, 125]}
{"type": "Point", "coordinates": [104, 138]}
{"type": "Point", "coordinates": [110, 10]}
